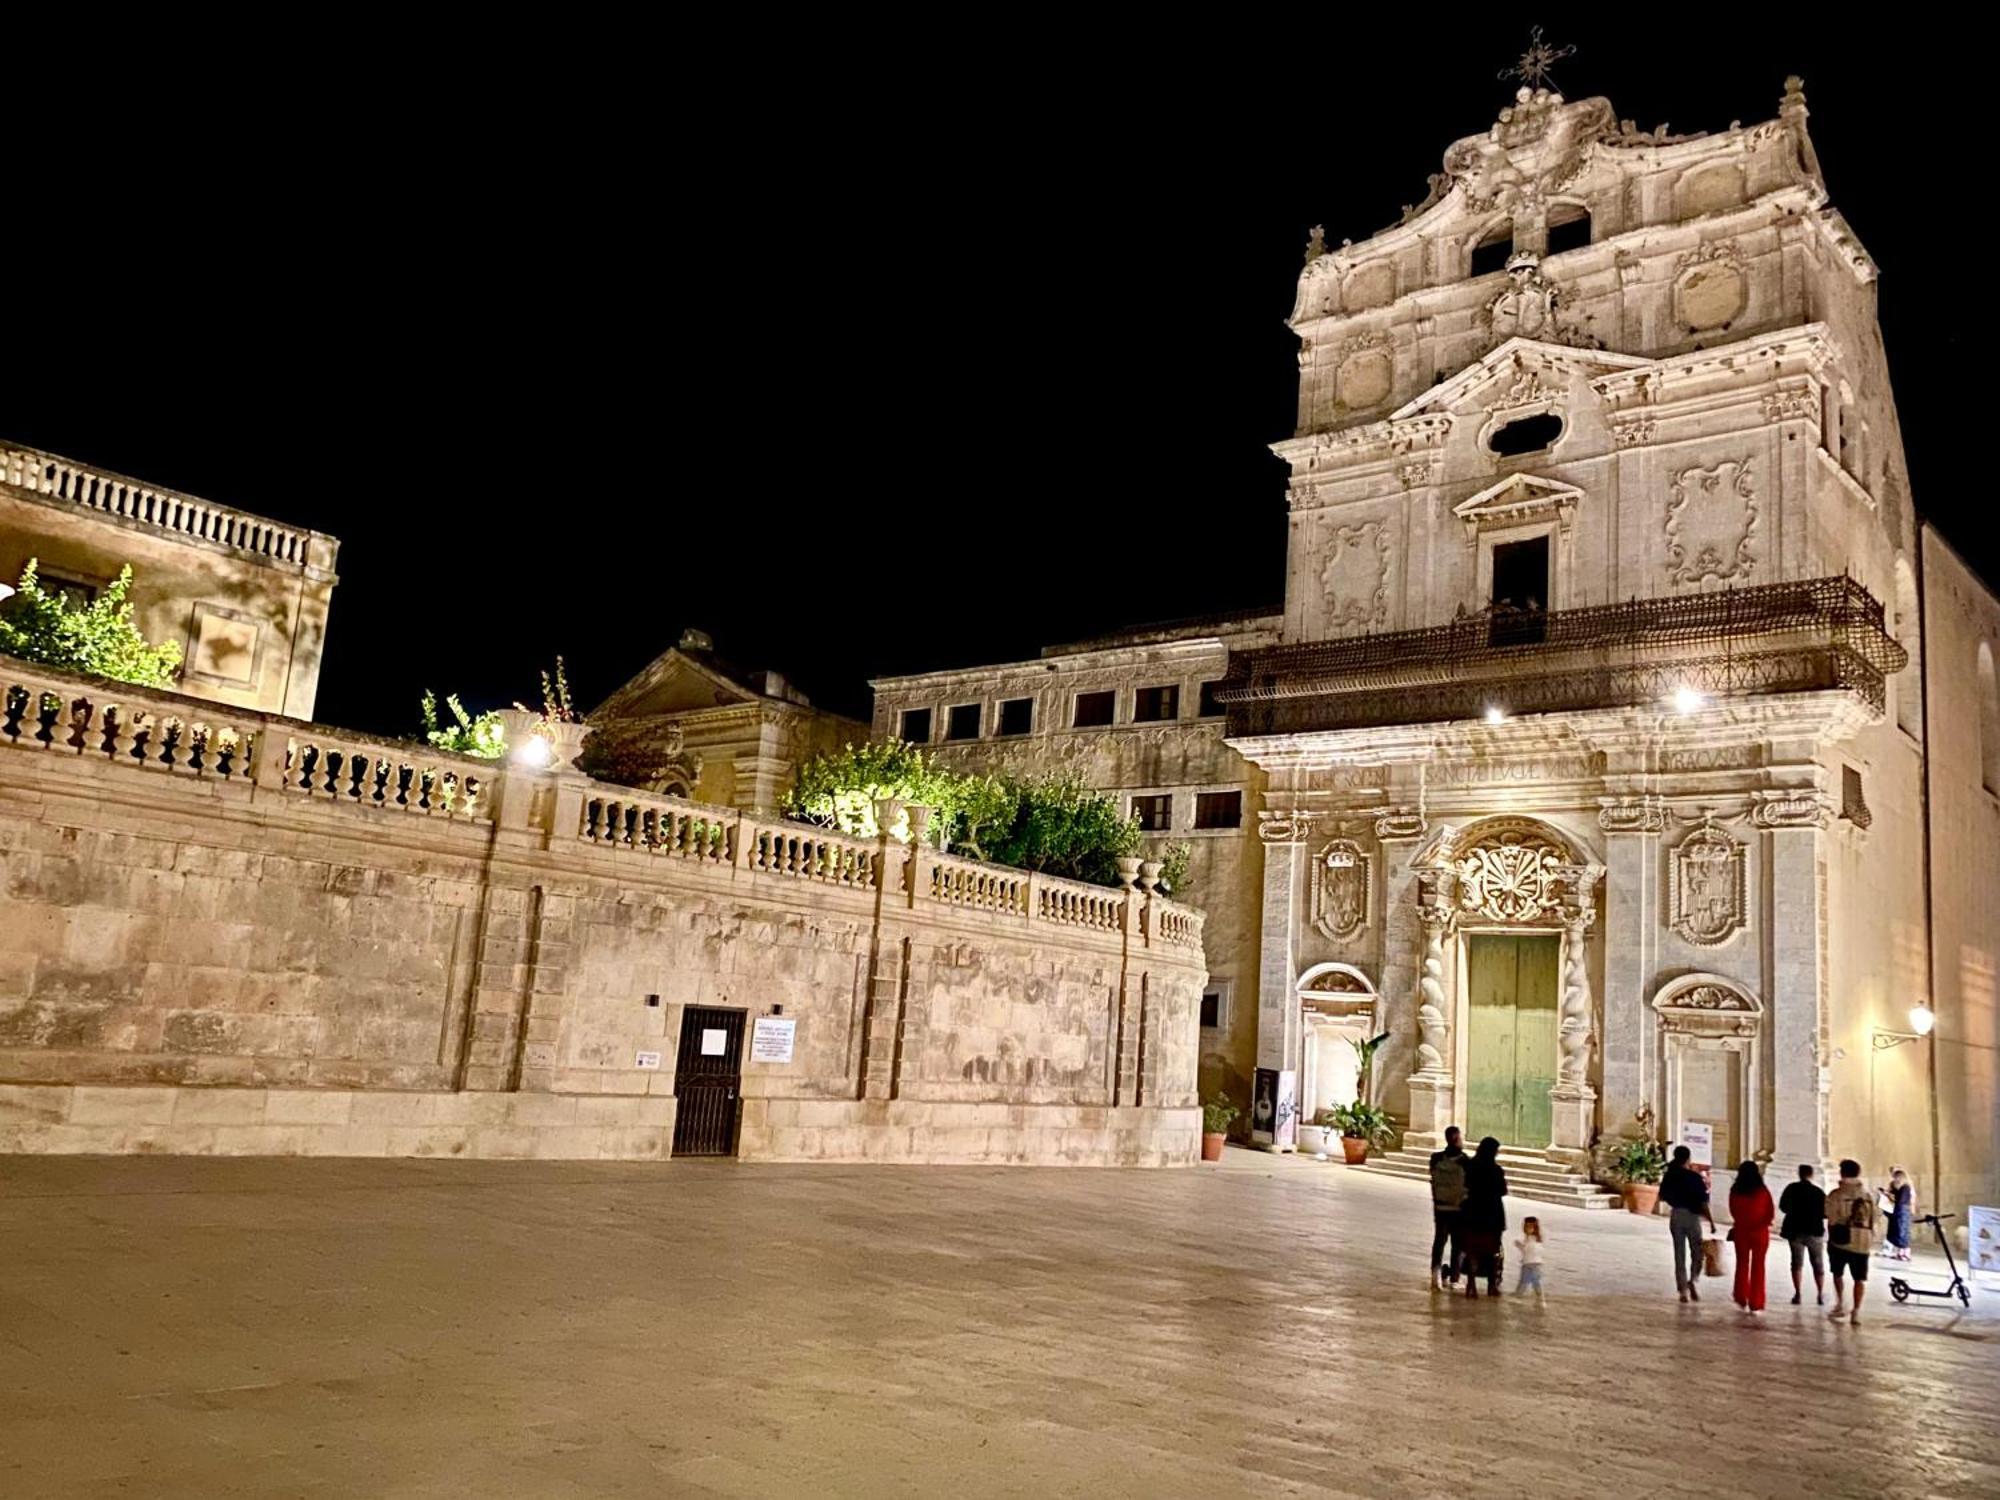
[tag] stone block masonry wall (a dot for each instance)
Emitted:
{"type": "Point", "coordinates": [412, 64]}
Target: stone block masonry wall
{"type": "Point", "coordinates": [230, 932]}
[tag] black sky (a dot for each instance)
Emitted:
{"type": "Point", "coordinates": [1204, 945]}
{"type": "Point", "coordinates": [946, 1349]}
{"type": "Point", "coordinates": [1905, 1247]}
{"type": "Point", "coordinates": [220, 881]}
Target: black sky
{"type": "Point", "coordinates": [865, 352]}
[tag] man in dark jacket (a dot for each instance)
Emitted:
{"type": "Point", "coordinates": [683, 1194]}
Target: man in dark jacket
{"type": "Point", "coordinates": [1447, 1195]}
{"type": "Point", "coordinates": [1804, 1229]}
{"type": "Point", "coordinates": [1683, 1191]}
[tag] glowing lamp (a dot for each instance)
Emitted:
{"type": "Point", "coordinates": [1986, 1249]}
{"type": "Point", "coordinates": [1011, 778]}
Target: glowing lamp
{"type": "Point", "coordinates": [1495, 714]}
{"type": "Point", "coordinates": [1687, 700]}
{"type": "Point", "coordinates": [1922, 1019]}
{"type": "Point", "coordinates": [532, 752]}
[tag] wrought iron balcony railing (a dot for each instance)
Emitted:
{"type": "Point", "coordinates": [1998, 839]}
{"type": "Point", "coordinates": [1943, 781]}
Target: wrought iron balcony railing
{"type": "Point", "coordinates": [1822, 633]}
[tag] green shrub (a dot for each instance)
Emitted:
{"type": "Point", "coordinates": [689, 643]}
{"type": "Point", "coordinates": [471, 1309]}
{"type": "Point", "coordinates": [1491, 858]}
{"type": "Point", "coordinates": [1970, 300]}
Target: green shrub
{"type": "Point", "coordinates": [482, 737]}
{"type": "Point", "coordinates": [98, 638]}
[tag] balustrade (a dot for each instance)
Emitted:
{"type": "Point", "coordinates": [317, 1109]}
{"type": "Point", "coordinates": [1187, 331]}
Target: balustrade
{"type": "Point", "coordinates": [329, 766]}
{"type": "Point", "coordinates": [807, 853]}
{"type": "Point", "coordinates": [106, 721]}
{"type": "Point", "coordinates": [96, 489]}
{"type": "Point", "coordinates": [672, 829]}
{"type": "Point", "coordinates": [1071, 904]}
{"type": "Point", "coordinates": [960, 882]}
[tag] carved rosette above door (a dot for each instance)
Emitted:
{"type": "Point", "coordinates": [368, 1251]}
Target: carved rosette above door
{"type": "Point", "coordinates": [1342, 889]}
{"type": "Point", "coordinates": [1513, 875]}
{"type": "Point", "coordinates": [1708, 894]}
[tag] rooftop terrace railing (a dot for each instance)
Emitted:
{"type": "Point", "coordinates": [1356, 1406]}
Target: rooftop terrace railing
{"type": "Point", "coordinates": [167, 510]}
{"type": "Point", "coordinates": [1814, 635]}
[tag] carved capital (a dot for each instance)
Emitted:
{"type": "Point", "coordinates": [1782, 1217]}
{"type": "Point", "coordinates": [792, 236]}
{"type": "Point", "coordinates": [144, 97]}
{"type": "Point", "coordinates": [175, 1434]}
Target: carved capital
{"type": "Point", "coordinates": [1791, 809]}
{"type": "Point", "coordinates": [1292, 827]}
{"type": "Point", "coordinates": [1630, 815]}
{"type": "Point", "coordinates": [1631, 432]}
{"type": "Point", "coordinates": [1399, 823]}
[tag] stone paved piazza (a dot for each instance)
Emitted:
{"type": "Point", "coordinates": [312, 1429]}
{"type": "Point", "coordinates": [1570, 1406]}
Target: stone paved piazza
{"type": "Point", "coordinates": [187, 1327]}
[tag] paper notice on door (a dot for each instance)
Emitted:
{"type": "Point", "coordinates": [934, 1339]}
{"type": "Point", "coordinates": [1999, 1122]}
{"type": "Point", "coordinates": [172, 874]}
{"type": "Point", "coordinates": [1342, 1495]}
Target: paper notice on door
{"type": "Point", "coordinates": [713, 1040]}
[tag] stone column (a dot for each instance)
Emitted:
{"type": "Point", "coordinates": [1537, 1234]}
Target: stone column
{"type": "Point", "coordinates": [1630, 898]}
{"type": "Point", "coordinates": [1793, 841]}
{"type": "Point", "coordinates": [1432, 1085]}
{"type": "Point", "coordinates": [1573, 1101]}
{"type": "Point", "coordinates": [1283, 836]}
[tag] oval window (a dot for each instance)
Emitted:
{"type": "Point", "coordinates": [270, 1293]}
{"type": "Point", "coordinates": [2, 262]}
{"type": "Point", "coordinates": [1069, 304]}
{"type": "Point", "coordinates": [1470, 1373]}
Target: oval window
{"type": "Point", "coordinates": [1528, 435]}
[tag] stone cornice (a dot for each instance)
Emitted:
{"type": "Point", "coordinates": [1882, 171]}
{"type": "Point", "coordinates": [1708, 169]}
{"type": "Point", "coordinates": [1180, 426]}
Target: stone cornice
{"type": "Point", "coordinates": [1185, 653]}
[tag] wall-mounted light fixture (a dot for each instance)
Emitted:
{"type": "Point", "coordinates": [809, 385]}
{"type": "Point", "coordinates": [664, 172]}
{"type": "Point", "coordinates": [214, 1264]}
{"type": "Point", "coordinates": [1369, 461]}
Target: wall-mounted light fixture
{"type": "Point", "coordinates": [1922, 1019]}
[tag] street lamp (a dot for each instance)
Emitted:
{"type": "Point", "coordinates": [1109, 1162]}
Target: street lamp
{"type": "Point", "coordinates": [1922, 1019]}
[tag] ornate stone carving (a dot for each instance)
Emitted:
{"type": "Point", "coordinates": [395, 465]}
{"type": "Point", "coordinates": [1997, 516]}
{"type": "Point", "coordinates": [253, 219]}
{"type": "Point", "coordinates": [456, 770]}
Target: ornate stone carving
{"type": "Point", "coordinates": [1355, 575]}
{"type": "Point", "coordinates": [1525, 389]}
{"type": "Point", "coordinates": [1631, 432]}
{"type": "Point", "coordinates": [1415, 475]}
{"type": "Point", "coordinates": [1433, 1029]}
{"type": "Point", "coordinates": [1364, 371]}
{"type": "Point", "coordinates": [1711, 524]}
{"type": "Point", "coordinates": [1472, 771]}
{"type": "Point", "coordinates": [1708, 1005]}
{"type": "Point", "coordinates": [1804, 809]}
{"type": "Point", "coordinates": [1708, 896]}
{"type": "Point", "coordinates": [1575, 1034]}
{"type": "Point", "coordinates": [1399, 823]}
{"type": "Point", "coordinates": [1342, 889]}
{"type": "Point", "coordinates": [1710, 289]}
{"type": "Point", "coordinates": [1630, 815]}
{"type": "Point", "coordinates": [1511, 876]}
{"type": "Point", "coordinates": [1284, 827]}
{"type": "Point", "coordinates": [1530, 307]}
{"type": "Point", "coordinates": [1791, 406]}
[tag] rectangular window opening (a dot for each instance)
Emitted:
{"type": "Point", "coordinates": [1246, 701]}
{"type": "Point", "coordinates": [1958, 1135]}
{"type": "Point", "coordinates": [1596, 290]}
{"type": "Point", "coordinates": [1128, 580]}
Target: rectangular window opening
{"type": "Point", "coordinates": [1218, 810]}
{"type": "Point", "coordinates": [962, 722]}
{"type": "Point", "coordinates": [1094, 710]}
{"type": "Point", "coordinates": [1017, 716]}
{"type": "Point", "coordinates": [1212, 707]}
{"type": "Point", "coordinates": [1155, 814]}
{"type": "Point", "coordinates": [1214, 1008]}
{"type": "Point", "coordinates": [1520, 592]}
{"type": "Point", "coordinates": [1853, 805]}
{"type": "Point", "coordinates": [917, 726]}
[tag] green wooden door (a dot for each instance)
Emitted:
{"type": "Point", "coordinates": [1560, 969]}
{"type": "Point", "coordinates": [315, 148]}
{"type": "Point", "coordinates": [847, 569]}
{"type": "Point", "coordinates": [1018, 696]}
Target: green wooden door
{"type": "Point", "coordinates": [1510, 1042]}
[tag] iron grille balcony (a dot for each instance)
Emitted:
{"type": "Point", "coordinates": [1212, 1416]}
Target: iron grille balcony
{"type": "Point", "coordinates": [1823, 633]}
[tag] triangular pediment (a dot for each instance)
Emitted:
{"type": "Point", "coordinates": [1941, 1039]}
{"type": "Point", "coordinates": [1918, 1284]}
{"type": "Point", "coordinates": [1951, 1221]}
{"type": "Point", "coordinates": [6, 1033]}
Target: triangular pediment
{"type": "Point", "coordinates": [1514, 361]}
{"type": "Point", "coordinates": [673, 682]}
{"type": "Point", "coordinates": [1519, 499]}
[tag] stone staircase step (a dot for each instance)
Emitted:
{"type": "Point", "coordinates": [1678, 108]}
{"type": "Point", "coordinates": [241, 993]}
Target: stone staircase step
{"type": "Point", "coordinates": [1532, 1178]}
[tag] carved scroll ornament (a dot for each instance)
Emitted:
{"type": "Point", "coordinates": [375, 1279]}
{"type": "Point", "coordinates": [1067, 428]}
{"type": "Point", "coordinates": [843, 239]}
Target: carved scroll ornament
{"type": "Point", "coordinates": [1513, 877]}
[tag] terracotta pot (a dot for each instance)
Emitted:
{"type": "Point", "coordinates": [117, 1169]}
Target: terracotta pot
{"type": "Point", "coordinates": [1211, 1145]}
{"type": "Point", "coordinates": [1355, 1148]}
{"type": "Point", "coordinates": [1641, 1197]}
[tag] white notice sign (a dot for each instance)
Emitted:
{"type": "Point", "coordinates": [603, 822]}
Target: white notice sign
{"type": "Point", "coordinates": [771, 1039]}
{"type": "Point", "coordinates": [1699, 1137]}
{"type": "Point", "coordinates": [646, 1060]}
{"type": "Point", "coordinates": [1983, 1225]}
{"type": "Point", "coordinates": [712, 1040]}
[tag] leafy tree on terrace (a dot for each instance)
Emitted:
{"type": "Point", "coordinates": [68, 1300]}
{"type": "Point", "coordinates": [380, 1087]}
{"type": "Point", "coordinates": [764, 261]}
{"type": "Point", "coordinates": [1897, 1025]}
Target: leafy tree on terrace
{"type": "Point", "coordinates": [98, 638]}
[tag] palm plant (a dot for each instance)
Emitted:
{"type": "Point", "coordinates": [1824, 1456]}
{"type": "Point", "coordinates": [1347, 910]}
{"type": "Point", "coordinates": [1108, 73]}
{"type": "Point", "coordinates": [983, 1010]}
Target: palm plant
{"type": "Point", "coordinates": [1364, 1052]}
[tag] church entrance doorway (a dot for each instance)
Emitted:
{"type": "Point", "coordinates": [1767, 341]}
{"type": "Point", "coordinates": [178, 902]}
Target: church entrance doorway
{"type": "Point", "coordinates": [1510, 1036]}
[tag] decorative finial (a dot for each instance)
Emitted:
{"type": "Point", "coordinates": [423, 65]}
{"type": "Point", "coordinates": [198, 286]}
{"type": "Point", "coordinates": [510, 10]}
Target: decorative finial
{"type": "Point", "coordinates": [1534, 66]}
{"type": "Point", "coordinates": [1315, 243]}
{"type": "Point", "coordinates": [1795, 96]}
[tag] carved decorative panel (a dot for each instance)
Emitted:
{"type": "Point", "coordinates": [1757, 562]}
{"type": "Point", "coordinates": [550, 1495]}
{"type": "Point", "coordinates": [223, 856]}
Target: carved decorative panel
{"type": "Point", "coordinates": [1711, 289]}
{"type": "Point", "coordinates": [1355, 574]}
{"type": "Point", "coordinates": [1708, 1005]}
{"type": "Point", "coordinates": [1711, 525]}
{"type": "Point", "coordinates": [1512, 875]}
{"type": "Point", "coordinates": [1343, 882]}
{"type": "Point", "coordinates": [1707, 895]}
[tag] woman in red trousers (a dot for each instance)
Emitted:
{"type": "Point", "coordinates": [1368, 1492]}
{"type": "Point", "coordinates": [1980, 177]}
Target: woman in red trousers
{"type": "Point", "coordinates": [1751, 1210]}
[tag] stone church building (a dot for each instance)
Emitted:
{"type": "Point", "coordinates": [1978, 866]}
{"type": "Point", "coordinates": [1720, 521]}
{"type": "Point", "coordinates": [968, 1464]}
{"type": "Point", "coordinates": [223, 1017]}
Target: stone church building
{"type": "Point", "coordinates": [1625, 747]}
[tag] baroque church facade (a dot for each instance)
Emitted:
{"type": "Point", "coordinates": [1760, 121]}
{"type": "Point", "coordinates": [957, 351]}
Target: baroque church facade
{"type": "Point", "coordinates": [1625, 747]}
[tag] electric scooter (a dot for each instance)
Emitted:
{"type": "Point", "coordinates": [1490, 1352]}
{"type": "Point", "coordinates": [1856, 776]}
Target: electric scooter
{"type": "Point", "coordinates": [1902, 1291]}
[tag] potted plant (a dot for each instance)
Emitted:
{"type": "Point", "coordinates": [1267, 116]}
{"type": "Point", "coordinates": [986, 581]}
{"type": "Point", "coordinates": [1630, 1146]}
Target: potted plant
{"type": "Point", "coordinates": [1637, 1166]}
{"type": "Point", "coordinates": [1216, 1113]}
{"type": "Point", "coordinates": [1362, 1126]}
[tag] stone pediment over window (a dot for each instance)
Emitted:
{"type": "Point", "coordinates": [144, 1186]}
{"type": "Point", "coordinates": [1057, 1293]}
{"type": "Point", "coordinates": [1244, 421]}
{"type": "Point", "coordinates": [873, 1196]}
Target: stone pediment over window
{"type": "Point", "coordinates": [1512, 370]}
{"type": "Point", "coordinates": [1519, 499]}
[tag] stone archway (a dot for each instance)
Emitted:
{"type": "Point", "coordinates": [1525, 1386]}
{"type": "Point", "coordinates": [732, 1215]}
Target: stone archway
{"type": "Point", "coordinates": [1710, 1031]}
{"type": "Point", "coordinates": [1503, 878]}
{"type": "Point", "coordinates": [1338, 1006]}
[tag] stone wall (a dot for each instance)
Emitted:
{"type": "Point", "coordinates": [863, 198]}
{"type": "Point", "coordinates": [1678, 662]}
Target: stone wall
{"type": "Point", "coordinates": [232, 933]}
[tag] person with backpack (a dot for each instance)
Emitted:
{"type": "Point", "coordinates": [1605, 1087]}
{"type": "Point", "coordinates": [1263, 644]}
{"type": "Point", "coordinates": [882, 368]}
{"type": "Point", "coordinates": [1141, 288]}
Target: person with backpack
{"type": "Point", "coordinates": [1447, 1196]}
{"type": "Point", "coordinates": [1684, 1192]}
{"type": "Point", "coordinates": [1850, 1238]}
{"type": "Point", "coordinates": [1803, 1204]}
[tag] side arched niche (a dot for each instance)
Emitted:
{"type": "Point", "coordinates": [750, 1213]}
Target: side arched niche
{"type": "Point", "coordinates": [1338, 1006]}
{"type": "Point", "coordinates": [1711, 1041]}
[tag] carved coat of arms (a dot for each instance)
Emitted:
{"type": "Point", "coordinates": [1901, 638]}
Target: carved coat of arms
{"type": "Point", "coordinates": [1355, 574]}
{"type": "Point", "coordinates": [1712, 524]}
{"type": "Point", "coordinates": [1342, 876]}
{"type": "Point", "coordinates": [1707, 894]}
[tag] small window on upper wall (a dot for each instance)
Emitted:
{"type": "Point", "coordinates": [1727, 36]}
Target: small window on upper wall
{"type": "Point", "coordinates": [1572, 233]}
{"type": "Point", "coordinates": [1094, 710]}
{"type": "Point", "coordinates": [962, 722]}
{"type": "Point", "coordinates": [917, 725]}
{"type": "Point", "coordinates": [1017, 716]}
{"type": "Point", "coordinates": [1152, 704]}
{"type": "Point", "coordinates": [1492, 253]}
{"type": "Point", "coordinates": [1853, 805]}
{"type": "Point", "coordinates": [1527, 435]}
{"type": "Point", "coordinates": [1214, 1008]}
{"type": "Point", "coordinates": [1218, 810]}
{"type": "Point", "coordinates": [1155, 814]}
{"type": "Point", "coordinates": [1212, 707]}
{"type": "Point", "coordinates": [73, 591]}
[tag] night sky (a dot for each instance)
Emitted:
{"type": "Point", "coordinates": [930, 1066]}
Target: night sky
{"type": "Point", "coordinates": [892, 352]}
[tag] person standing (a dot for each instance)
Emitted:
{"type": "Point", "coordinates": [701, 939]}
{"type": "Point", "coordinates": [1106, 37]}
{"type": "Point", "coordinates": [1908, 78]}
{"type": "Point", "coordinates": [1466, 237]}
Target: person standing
{"type": "Point", "coordinates": [1482, 1218]}
{"type": "Point", "coordinates": [1683, 1191]}
{"type": "Point", "coordinates": [1850, 1237]}
{"type": "Point", "coordinates": [1902, 1204]}
{"type": "Point", "coordinates": [1803, 1204]}
{"type": "Point", "coordinates": [1529, 1248]}
{"type": "Point", "coordinates": [1750, 1216]}
{"type": "Point", "coordinates": [1447, 1197]}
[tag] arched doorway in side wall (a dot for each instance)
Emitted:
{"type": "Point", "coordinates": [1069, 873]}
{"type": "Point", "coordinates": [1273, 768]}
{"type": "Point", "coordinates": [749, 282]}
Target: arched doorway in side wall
{"type": "Point", "coordinates": [1337, 1008]}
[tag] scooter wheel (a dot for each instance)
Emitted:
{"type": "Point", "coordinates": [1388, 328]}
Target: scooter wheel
{"type": "Point", "coordinates": [1899, 1289]}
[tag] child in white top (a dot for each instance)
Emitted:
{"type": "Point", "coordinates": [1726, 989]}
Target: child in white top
{"type": "Point", "coordinates": [1529, 1249]}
